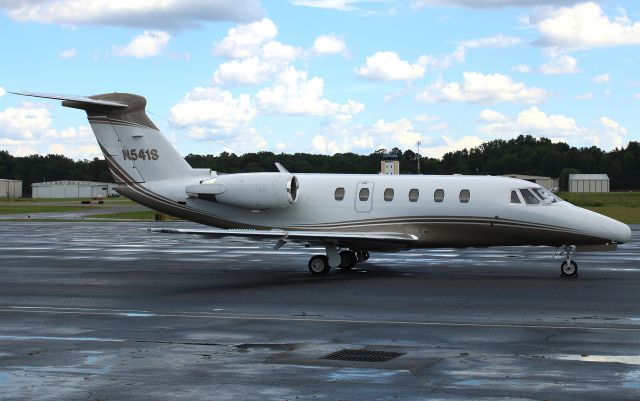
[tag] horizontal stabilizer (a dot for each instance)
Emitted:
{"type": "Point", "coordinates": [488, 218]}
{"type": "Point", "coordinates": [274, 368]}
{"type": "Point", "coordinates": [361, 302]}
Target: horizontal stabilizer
{"type": "Point", "coordinates": [72, 98]}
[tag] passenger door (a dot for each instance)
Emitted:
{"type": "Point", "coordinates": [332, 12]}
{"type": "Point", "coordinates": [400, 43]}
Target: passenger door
{"type": "Point", "coordinates": [364, 196]}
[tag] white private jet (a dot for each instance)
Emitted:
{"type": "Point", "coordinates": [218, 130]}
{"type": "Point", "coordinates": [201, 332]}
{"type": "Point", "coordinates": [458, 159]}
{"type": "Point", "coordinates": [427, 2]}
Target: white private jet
{"type": "Point", "coordinates": [348, 214]}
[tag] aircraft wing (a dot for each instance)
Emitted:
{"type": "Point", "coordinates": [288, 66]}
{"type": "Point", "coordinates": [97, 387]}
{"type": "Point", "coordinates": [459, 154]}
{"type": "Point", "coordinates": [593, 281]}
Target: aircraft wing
{"type": "Point", "coordinates": [350, 239]}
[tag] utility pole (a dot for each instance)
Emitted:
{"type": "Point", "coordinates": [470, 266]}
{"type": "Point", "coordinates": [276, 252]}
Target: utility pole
{"type": "Point", "coordinates": [418, 157]}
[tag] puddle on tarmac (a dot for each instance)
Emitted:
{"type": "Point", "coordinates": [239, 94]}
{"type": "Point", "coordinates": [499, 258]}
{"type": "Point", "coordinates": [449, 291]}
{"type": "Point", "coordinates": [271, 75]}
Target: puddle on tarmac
{"type": "Point", "coordinates": [137, 314]}
{"type": "Point", "coordinates": [626, 359]}
{"type": "Point", "coordinates": [4, 377]}
{"type": "Point", "coordinates": [361, 374]}
{"type": "Point", "coordinates": [632, 379]}
{"type": "Point", "coordinates": [22, 338]}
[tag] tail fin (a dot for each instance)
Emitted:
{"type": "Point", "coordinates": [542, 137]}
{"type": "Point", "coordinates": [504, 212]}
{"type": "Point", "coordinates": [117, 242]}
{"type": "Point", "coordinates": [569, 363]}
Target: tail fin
{"type": "Point", "coordinates": [135, 149]}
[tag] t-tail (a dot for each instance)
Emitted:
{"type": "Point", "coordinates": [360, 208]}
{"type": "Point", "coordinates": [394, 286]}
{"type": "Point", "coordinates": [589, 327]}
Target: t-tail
{"type": "Point", "coordinates": [134, 148]}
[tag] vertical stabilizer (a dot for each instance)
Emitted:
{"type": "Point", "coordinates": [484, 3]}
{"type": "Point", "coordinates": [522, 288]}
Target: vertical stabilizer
{"type": "Point", "coordinates": [136, 151]}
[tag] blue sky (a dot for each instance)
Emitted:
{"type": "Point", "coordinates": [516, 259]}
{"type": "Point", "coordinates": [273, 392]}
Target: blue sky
{"type": "Point", "coordinates": [326, 76]}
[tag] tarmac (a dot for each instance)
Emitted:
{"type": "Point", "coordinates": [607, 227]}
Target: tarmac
{"type": "Point", "coordinates": [108, 311]}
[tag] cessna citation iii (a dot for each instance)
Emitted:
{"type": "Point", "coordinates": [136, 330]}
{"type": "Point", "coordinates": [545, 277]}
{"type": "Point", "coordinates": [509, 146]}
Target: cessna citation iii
{"type": "Point", "coordinates": [347, 214]}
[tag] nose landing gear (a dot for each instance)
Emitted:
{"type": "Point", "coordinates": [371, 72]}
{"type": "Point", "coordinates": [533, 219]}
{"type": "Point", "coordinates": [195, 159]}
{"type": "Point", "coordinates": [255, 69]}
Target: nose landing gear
{"type": "Point", "coordinates": [568, 268]}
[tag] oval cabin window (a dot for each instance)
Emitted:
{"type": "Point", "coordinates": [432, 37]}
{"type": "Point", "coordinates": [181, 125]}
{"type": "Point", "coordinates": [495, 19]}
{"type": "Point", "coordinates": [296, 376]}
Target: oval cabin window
{"type": "Point", "coordinates": [364, 194]}
{"type": "Point", "coordinates": [438, 195]}
{"type": "Point", "coordinates": [339, 194]}
{"type": "Point", "coordinates": [414, 194]}
{"type": "Point", "coordinates": [388, 194]}
{"type": "Point", "coordinates": [465, 195]}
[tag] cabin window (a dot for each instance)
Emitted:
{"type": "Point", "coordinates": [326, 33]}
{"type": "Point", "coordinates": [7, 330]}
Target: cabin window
{"type": "Point", "coordinates": [388, 194]}
{"type": "Point", "coordinates": [339, 194]}
{"type": "Point", "coordinates": [546, 196]}
{"type": "Point", "coordinates": [438, 195]}
{"type": "Point", "coordinates": [363, 195]}
{"type": "Point", "coordinates": [414, 194]}
{"type": "Point", "coordinates": [465, 195]}
{"type": "Point", "coordinates": [514, 197]}
{"type": "Point", "coordinates": [529, 198]}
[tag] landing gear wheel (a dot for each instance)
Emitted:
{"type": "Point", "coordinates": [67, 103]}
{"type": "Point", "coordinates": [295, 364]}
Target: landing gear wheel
{"type": "Point", "coordinates": [348, 260]}
{"type": "Point", "coordinates": [363, 255]}
{"type": "Point", "coordinates": [569, 269]}
{"type": "Point", "coordinates": [319, 265]}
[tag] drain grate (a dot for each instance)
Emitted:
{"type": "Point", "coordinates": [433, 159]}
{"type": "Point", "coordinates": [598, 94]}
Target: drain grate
{"type": "Point", "coordinates": [362, 355]}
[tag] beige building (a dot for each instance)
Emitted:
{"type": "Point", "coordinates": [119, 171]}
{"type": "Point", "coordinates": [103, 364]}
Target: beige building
{"type": "Point", "coordinates": [10, 188]}
{"type": "Point", "coordinates": [552, 184]}
{"type": "Point", "coordinates": [390, 165]}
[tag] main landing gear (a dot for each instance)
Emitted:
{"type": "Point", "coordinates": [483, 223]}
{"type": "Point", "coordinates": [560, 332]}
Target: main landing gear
{"type": "Point", "coordinates": [568, 268]}
{"type": "Point", "coordinates": [345, 260]}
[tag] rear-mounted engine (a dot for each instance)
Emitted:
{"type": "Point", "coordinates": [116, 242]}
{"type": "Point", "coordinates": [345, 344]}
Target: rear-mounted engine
{"type": "Point", "coordinates": [255, 191]}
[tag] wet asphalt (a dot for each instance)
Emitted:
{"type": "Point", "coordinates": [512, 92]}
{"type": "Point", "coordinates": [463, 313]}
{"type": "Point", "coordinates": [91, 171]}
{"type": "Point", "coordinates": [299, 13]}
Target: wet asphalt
{"type": "Point", "coordinates": [108, 311]}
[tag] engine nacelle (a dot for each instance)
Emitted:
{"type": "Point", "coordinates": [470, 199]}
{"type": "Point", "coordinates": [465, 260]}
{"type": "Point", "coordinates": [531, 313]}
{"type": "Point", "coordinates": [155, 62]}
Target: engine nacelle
{"type": "Point", "coordinates": [255, 191]}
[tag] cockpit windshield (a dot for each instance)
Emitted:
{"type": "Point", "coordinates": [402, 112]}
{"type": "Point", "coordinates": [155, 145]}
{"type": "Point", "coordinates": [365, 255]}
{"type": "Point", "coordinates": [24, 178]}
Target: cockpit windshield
{"type": "Point", "coordinates": [546, 196]}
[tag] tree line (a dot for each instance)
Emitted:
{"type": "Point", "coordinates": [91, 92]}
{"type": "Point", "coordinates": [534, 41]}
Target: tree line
{"type": "Point", "coordinates": [522, 155]}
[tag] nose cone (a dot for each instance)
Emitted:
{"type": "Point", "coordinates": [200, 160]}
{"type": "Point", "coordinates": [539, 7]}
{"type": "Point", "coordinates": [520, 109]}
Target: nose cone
{"type": "Point", "coordinates": [619, 232]}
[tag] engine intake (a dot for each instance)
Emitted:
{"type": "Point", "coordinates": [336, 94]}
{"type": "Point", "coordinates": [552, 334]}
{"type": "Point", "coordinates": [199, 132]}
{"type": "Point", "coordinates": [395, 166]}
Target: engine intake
{"type": "Point", "coordinates": [255, 191]}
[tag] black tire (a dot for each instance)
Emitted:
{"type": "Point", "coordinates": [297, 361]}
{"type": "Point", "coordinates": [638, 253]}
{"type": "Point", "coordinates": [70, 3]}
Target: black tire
{"type": "Point", "coordinates": [569, 270]}
{"type": "Point", "coordinates": [363, 255]}
{"type": "Point", "coordinates": [348, 260]}
{"type": "Point", "coordinates": [319, 265]}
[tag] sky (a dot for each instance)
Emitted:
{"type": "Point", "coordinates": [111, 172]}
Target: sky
{"type": "Point", "coordinates": [325, 76]}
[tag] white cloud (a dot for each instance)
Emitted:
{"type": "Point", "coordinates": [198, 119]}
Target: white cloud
{"type": "Point", "coordinates": [486, 3]}
{"type": "Point", "coordinates": [401, 133]}
{"type": "Point", "coordinates": [69, 53]}
{"type": "Point", "coordinates": [584, 26]}
{"type": "Point", "coordinates": [329, 44]}
{"type": "Point", "coordinates": [426, 118]}
{"type": "Point", "coordinates": [248, 71]}
{"type": "Point", "coordinates": [255, 56]}
{"type": "Point", "coordinates": [585, 96]}
{"type": "Point", "coordinates": [214, 108]}
{"type": "Point", "coordinates": [611, 134]}
{"type": "Point", "coordinates": [246, 40]}
{"type": "Point", "coordinates": [498, 40]}
{"type": "Point", "coordinates": [149, 44]}
{"type": "Point", "coordinates": [637, 96]}
{"type": "Point", "coordinates": [533, 121]}
{"type": "Point", "coordinates": [492, 116]}
{"type": "Point", "coordinates": [341, 5]}
{"type": "Point", "coordinates": [26, 130]}
{"type": "Point", "coordinates": [387, 66]}
{"type": "Point", "coordinates": [166, 14]}
{"type": "Point", "coordinates": [215, 114]}
{"type": "Point", "coordinates": [443, 62]}
{"type": "Point", "coordinates": [522, 68]}
{"type": "Point", "coordinates": [2, 91]}
{"type": "Point", "coordinates": [26, 122]}
{"type": "Point", "coordinates": [76, 143]}
{"type": "Point", "coordinates": [601, 79]}
{"type": "Point", "coordinates": [562, 64]}
{"type": "Point", "coordinates": [294, 94]}
{"type": "Point", "coordinates": [482, 88]}
{"type": "Point", "coordinates": [446, 144]}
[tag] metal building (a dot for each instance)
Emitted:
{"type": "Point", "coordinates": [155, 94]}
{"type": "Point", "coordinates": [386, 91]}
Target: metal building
{"type": "Point", "coordinates": [546, 182]}
{"type": "Point", "coordinates": [73, 189]}
{"type": "Point", "coordinates": [588, 183]}
{"type": "Point", "coordinates": [10, 188]}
